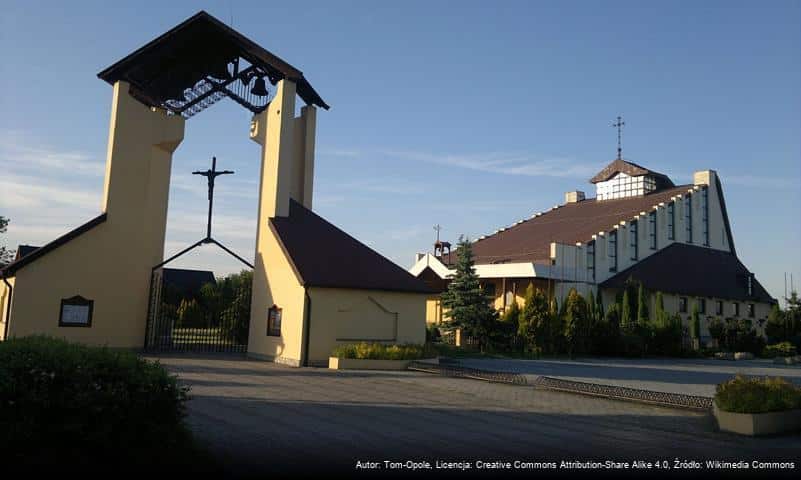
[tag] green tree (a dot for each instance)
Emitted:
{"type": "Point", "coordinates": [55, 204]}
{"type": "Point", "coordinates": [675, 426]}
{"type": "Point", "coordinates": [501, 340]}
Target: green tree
{"type": "Point", "coordinates": [642, 307]}
{"type": "Point", "coordinates": [469, 307]}
{"type": "Point", "coordinates": [6, 255]}
{"type": "Point", "coordinates": [535, 320]}
{"type": "Point", "coordinates": [695, 322]}
{"type": "Point", "coordinates": [775, 328]}
{"type": "Point", "coordinates": [626, 315]}
{"type": "Point", "coordinates": [660, 315]}
{"type": "Point", "coordinates": [575, 322]}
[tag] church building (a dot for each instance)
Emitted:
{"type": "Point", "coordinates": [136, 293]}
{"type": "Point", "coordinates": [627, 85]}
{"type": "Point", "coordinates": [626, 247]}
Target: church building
{"type": "Point", "coordinates": [674, 239]}
{"type": "Point", "coordinates": [314, 286]}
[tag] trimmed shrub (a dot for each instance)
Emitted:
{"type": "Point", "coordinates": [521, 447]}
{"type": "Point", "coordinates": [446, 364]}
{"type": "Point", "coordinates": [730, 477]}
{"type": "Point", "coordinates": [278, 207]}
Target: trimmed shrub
{"type": "Point", "coordinates": [783, 349]}
{"type": "Point", "coordinates": [64, 400]}
{"type": "Point", "coordinates": [380, 351]}
{"type": "Point", "coordinates": [757, 395]}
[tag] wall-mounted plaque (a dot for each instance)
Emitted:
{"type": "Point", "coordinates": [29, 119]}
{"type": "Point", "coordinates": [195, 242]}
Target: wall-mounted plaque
{"type": "Point", "coordinates": [274, 321]}
{"type": "Point", "coordinates": [76, 312]}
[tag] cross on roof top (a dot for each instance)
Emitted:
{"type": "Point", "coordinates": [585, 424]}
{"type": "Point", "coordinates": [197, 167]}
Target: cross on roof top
{"type": "Point", "coordinates": [619, 124]}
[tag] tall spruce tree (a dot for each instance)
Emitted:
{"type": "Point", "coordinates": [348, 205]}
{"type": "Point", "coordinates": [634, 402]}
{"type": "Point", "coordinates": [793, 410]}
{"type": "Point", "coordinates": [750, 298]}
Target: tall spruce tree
{"type": "Point", "coordinates": [626, 316]}
{"type": "Point", "coordinates": [469, 308]}
{"type": "Point", "coordinates": [695, 323]}
{"type": "Point", "coordinates": [642, 307]}
{"type": "Point", "coordinates": [660, 316]}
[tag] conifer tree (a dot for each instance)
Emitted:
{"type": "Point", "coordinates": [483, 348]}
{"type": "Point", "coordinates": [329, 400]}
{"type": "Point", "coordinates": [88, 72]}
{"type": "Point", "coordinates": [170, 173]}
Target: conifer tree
{"type": "Point", "coordinates": [626, 317]}
{"type": "Point", "coordinates": [660, 316]}
{"type": "Point", "coordinates": [695, 323]}
{"type": "Point", "coordinates": [642, 307]}
{"type": "Point", "coordinates": [469, 307]}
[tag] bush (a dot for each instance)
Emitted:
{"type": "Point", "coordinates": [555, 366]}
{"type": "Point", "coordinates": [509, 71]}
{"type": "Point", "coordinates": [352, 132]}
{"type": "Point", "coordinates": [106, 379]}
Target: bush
{"type": "Point", "coordinates": [757, 395]}
{"type": "Point", "coordinates": [783, 349]}
{"type": "Point", "coordinates": [379, 351]}
{"type": "Point", "coordinates": [59, 399]}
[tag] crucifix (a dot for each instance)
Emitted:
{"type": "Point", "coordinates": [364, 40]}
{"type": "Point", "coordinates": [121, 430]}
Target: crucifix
{"type": "Point", "coordinates": [619, 124]}
{"type": "Point", "coordinates": [210, 176]}
{"type": "Point", "coordinates": [437, 228]}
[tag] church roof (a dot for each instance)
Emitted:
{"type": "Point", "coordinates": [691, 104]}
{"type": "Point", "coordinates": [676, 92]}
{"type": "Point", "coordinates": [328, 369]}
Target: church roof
{"type": "Point", "coordinates": [693, 270]}
{"type": "Point", "coordinates": [194, 57]}
{"type": "Point", "coordinates": [325, 256]}
{"type": "Point", "coordinates": [530, 240]}
{"type": "Point", "coordinates": [629, 168]}
{"type": "Point", "coordinates": [187, 281]}
{"type": "Point", "coordinates": [26, 258]}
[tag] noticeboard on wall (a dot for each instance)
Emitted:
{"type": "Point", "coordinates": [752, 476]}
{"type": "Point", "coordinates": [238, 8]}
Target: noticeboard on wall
{"type": "Point", "coordinates": [76, 312]}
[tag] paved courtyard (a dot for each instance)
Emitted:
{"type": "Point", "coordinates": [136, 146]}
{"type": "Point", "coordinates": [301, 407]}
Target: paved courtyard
{"type": "Point", "coordinates": [258, 416]}
{"type": "Point", "coordinates": [687, 376]}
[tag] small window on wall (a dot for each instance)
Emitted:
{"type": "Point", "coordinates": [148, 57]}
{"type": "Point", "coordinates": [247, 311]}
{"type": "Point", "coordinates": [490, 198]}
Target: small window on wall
{"type": "Point", "coordinates": [751, 310]}
{"type": "Point", "coordinates": [736, 309]}
{"type": "Point", "coordinates": [76, 312]}
{"type": "Point", "coordinates": [489, 290]}
{"type": "Point", "coordinates": [702, 305]}
{"type": "Point", "coordinates": [274, 321]}
{"type": "Point", "coordinates": [683, 304]}
{"type": "Point", "coordinates": [719, 307]}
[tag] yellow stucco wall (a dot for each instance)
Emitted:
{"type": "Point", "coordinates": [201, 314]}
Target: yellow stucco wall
{"type": "Point", "coordinates": [5, 297]}
{"type": "Point", "coordinates": [109, 264]}
{"type": "Point", "coordinates": [340, 316]}
{"type": "Point", "coordinates": [275, 283]}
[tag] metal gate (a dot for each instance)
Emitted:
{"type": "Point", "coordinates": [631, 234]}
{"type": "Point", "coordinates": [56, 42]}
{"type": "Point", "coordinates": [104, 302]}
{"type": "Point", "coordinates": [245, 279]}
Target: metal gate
{"type": "Point", "coordinates": [215, 319]}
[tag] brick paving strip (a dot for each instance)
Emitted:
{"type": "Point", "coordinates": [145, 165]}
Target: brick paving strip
{"type": "Point", "coordinates": [675, 400]}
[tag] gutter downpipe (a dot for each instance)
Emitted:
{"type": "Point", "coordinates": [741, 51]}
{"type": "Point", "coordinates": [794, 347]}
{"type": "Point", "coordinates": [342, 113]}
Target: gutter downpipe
{"type": "Point", "coordinates": [8, 306]}
{"type": "Point", "coordinates": [306, 328]}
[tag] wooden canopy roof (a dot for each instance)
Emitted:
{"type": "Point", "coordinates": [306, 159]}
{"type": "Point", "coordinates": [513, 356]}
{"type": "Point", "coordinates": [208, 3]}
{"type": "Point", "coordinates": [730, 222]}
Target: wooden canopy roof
{"type": "Point", "coordinates": [199, 62]}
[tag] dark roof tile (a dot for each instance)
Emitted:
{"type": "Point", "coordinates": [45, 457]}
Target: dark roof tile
{"type": "Point", "coordinates": [530, 241]}
{"type": "Point", "coordinates": [693, 270]}
{"type": "Point", "coordinates": [325, 256]}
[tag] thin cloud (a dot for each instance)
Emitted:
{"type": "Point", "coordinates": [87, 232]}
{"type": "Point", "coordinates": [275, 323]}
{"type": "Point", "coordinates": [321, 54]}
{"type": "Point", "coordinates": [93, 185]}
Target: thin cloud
{"type": "Point", "coordinates": [25, 153]}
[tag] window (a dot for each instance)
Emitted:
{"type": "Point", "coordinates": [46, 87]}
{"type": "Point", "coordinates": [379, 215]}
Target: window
{"type": "Point", "coordinates": [633, 238]}
{"type": "Point", "coordinates": [736, 309]}
{"type": "Point", "coordinates": [751, 310]}
{"type": "Point", "coordinates": [671, 218]}
{"type": "Point", "coordinates": [489, 290]}
{"type": "Point", "coordinates": [705, 215]}
{"type": "Point", "coordinates": [612, 251]}
{"type": "Point", "coordinates": [652, 229]}
{"type": "Point", "coordinates": [702, 305]}
{"type": "Point", "coordinates": [683, 304]}
{"type": "Point", "coordinates": [688, 217]}
{"type": "Point", "coordinates": [750, 284]}
{"type": "Point", "coordinates": [591, 260]}
{"type": "Point", "coordinates": [76, 312]}
{"type": "Point", "coordinates": [719, 307]}
{"type": "Point", "coordinates": [274, 321]}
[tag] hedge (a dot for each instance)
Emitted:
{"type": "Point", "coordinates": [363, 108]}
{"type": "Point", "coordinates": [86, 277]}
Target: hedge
{"type": "Point", "coordinates": [378, 351]}
{"type": "Point", "coordinates": [757, 395]}
{"type": "Point", "coordinates": [59, 399]}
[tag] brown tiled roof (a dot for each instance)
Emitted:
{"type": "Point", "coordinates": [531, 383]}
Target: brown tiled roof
{"type": "Point", "coordinates": [630, 169]}
{"type": "Point", "coordinates": [692, 270]}
{"type": "Point", "coordinates": [325, 256]}
{"type": "Point", "coordinates": [530, 241]}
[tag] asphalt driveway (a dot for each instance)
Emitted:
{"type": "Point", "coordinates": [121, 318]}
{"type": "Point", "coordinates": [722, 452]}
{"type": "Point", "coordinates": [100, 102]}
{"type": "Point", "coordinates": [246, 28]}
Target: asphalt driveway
{"type": "Point", "coordinates": [686, 376]}
{"type": "Point", "coordinates": [257, 417]}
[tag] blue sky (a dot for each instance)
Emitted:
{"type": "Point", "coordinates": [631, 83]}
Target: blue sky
{"type": "Point", "coordinates": [471, 116]}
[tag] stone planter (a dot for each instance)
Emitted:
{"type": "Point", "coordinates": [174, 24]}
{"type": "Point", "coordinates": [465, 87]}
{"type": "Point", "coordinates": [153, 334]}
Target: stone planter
{"type": "Point", "coordinates": [336, 363]}
{"type": "Point", "coordinates": [756, 424]}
